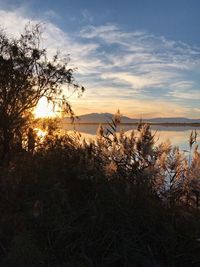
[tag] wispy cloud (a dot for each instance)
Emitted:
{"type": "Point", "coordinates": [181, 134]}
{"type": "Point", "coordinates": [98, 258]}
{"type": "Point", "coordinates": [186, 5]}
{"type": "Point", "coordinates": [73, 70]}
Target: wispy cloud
{"type": "Point", "coordinates": [140, 81]}
{"type": "Point", "coordinates": [186, 94]}
{"type": "Point", "coordinates": [87, 16]}
{"type": "Point", "coordinates": [136, 71]}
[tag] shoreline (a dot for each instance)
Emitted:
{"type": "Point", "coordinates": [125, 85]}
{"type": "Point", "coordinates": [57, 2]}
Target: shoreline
{"type": "Point", "coordinates": [135, 124]}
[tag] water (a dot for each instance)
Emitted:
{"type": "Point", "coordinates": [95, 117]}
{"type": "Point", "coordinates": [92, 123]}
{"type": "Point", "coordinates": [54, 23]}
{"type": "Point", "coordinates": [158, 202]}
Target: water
{"type": "Point", "coordinates": [178, 135]}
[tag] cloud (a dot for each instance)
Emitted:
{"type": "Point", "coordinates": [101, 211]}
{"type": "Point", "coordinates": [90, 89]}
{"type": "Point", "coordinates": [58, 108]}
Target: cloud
{"type": "Point", "coordinates": [100, 32]}
{"type": "Point", "coordinates": [183, 85]}
{"type": "Point", "coordinates": [186, 94]}
{"type": "Point", "coordinates": [53, 38]}
{"type": "Point", "coordinates": [135, 70]}
{"type": "Point", "coordinates": [135, 81]}
{"type": "Point", "coordinates": [87, 16]}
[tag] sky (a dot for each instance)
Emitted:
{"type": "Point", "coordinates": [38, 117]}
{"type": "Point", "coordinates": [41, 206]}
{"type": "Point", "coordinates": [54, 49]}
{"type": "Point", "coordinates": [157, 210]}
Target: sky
{"type": "Point", "coordinates": [141, 56]}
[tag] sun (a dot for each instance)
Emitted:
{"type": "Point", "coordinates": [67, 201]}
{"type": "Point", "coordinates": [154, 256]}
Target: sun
{"type": "Point", "coordinates": [44, 109]}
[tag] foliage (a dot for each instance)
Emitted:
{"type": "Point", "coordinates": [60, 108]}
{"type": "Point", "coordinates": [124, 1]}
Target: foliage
{"type": "Point", "coordinates": [116, 201]}
{"type": "Point", "coordinates": [26, 75]}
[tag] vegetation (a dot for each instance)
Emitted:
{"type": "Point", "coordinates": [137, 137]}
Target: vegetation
{"type": "Point", "coordinates": [26, 75]}
{"type": "Point", "coordinates": [116, 201]}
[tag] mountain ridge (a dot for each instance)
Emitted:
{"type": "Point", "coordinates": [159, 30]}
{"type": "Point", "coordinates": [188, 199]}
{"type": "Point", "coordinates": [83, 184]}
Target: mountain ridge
{"type": "Point", "coordinates": [106, 117]}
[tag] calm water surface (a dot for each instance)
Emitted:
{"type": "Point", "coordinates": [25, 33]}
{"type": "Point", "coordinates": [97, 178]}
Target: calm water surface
{"type": "Point", "coordinates": [178, 135]}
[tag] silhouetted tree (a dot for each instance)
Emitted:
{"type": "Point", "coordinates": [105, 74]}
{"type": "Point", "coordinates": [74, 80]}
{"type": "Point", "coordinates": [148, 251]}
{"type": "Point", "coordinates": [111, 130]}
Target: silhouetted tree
{"type": "Point", "coordinates": [26, 75]}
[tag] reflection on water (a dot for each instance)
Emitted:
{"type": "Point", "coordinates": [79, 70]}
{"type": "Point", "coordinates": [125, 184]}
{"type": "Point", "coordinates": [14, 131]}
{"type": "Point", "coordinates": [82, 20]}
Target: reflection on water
{"type": "Point", "coordinates": [179, 135]}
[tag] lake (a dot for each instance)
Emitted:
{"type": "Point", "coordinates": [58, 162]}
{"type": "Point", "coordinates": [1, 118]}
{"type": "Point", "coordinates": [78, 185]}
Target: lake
{"type": "Point", "coordinates": [178, 135]}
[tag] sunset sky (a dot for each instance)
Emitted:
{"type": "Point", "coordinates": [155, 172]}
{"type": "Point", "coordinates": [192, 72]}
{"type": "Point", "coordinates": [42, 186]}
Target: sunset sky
{"type": "Point", "coordinates": [141, 56]}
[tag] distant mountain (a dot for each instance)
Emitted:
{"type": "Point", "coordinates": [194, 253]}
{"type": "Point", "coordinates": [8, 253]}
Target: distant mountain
{"type": "Point", "coordinates": [106, 117]}
{"type": "Point", "coordinates": [99, 118]}
{"type": "Point", "coordinates": [103, 118]}
{"type": "Point", "coordinates": [174, 120]}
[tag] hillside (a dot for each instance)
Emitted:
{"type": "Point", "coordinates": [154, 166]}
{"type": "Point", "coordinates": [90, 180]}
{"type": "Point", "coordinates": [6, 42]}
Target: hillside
{"type": "Point", "coordinates": [106, 117]}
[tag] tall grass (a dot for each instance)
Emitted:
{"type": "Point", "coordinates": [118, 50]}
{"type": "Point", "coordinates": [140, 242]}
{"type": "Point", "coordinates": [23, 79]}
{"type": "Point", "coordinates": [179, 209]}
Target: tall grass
{"type": "Point", "coordinates": [116, 201]}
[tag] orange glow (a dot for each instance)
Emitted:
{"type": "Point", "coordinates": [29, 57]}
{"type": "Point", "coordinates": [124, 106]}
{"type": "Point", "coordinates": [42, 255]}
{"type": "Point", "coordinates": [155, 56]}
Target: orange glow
{"type": "Point", "coordinates": [40, 133]}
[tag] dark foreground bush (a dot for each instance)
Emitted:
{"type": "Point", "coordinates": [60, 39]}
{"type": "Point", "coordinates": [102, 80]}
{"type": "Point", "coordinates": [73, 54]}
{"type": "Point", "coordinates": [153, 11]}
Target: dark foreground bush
{"type": "Point", "coordinates": [100, 204]}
